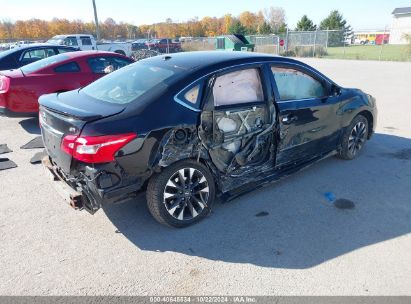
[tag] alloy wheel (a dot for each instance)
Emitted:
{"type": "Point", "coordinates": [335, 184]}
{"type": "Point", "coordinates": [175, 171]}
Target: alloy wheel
{"type": "Point", "coordinates": [186, 194]}
{"type": "Point", "coordinates": [357, 138]}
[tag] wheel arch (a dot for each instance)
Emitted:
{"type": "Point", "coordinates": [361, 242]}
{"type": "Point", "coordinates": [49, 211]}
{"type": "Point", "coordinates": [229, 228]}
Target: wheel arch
{"type": "Point", "coordinates": [370, 118]}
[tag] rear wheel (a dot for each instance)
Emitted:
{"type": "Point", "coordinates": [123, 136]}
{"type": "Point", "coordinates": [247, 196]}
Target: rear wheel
{"type": "Point", "coordinates": [182, 194]}
{"type": "Point", "coordinates": [354, 138]}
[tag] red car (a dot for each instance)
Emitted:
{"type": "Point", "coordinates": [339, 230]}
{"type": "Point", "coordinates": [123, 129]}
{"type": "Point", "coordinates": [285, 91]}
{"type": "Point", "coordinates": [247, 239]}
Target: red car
{"type": "Point", "coordinates": [20, 89]}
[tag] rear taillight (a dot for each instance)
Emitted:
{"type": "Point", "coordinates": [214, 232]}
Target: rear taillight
{"type": "Point", "coordinates": [4, 84]}
{"type": "Point", "coordinates": [95, 149]}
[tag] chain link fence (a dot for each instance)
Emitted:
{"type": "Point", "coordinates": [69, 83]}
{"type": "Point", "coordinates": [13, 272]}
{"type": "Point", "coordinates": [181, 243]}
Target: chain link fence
{"type": "Point", "coordinates": [198, 44]}
{"type": "Point", "coordinates": [269, 44]}
{"type": "Point", "coordinates": [335, 44]}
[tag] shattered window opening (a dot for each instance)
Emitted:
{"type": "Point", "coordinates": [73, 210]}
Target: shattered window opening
{"type": "Point", "coordinates": [238, 87]}
{"type": "Point", "coordinates": [192, 94]}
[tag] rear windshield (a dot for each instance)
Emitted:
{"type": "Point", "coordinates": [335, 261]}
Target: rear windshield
{"type": "Point", "coordinates": [127, 84]}
{"type": "Point", "coordinates": [35, 66]}
{"type": "Point", "coordinates": [7, 52]}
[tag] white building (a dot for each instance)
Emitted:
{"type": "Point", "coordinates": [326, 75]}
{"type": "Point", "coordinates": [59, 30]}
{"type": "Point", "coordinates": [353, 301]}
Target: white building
{"type": "Point", "coordinates": [401, 24]}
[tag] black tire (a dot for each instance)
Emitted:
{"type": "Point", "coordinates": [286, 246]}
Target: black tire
{"type": "Point", "coordinates": [354, 138]}
{"type": "Point", "coordinates": [194, 206]}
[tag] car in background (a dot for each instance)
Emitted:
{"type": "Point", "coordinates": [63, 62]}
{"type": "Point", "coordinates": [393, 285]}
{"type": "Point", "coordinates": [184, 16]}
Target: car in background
{"type": "Point", "coordinates": [164, 45]}
{"type": "Point", "coordinates": [20, 43]}
{"type": "Point", "coordinates": [139, 44]}
{"type": "Point", "coordinates": [190, 126]}
{"type": "Point", "coordinates": [87, 42]}
{"type": "Point", "coordinates": [25, 54]}
{"type": "Point", "coordinates": [21, 88]}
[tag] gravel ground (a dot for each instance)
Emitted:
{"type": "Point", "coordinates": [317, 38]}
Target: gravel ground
{"type": "Point", "coordinates": [302, 246]}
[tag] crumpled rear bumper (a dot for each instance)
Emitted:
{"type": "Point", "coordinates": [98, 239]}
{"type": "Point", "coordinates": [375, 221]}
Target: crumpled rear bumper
{"type": "Point", "coordinates": [90, 198]}
{"type": "Point", "coordinates": [70, 195]}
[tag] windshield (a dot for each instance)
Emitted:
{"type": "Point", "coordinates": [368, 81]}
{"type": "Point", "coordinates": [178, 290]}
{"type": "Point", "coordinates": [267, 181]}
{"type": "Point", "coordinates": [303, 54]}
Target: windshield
{"type": "Point", "coordinates": [35, 66]}
{"type": "Point", "coordinates": [56, 40]}
{"type": "Point", "coordinates": [128, 83]}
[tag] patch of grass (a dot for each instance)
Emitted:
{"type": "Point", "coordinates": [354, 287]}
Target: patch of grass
{"type": "Point", "coordinates": [370, 52]}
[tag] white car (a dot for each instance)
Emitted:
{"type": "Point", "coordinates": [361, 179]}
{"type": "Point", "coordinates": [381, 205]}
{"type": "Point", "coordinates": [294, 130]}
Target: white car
{"type": "Point", "coordinates": [87, 42]}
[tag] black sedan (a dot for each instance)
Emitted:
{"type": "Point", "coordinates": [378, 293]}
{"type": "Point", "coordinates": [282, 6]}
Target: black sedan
{"type": "Point", "coordinates": [191, 127]}
{"type": "Point", "coordinates": [20, 56]}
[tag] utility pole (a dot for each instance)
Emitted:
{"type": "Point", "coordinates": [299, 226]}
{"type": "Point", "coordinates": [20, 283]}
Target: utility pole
{"type": "Point", "coordinates": [96, 20]}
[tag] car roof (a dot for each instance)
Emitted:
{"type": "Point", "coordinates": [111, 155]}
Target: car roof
{"type": "Point", "coordinates": [32, 46]}
{"type": "Point", "coordinates": [204, 62]}
{"type": "Point", "coordinates": [91, 53]}
{"type": "Point", "coordinates": [40, 45]}
{"type": "Point", "coordinates": [204, 59]}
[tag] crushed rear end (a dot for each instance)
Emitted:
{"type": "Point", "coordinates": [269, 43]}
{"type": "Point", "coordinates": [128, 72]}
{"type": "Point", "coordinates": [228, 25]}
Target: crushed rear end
{"type": "Point", "coordinates": [82, 167]}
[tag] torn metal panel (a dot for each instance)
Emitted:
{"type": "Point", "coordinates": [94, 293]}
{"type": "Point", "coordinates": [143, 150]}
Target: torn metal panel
{"type": "Point", "coordinates": [179, 143]}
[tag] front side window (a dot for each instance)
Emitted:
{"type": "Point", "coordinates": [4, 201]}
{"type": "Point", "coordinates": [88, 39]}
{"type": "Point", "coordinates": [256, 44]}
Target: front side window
{"type": "Point", "coordinates": [119, 63]}
{"type": "Point", "coordinates": [105, 65]}
{"type": "Point", "coordinates": [239, 87]}
{"type": "Point", "coordinates": [99, 64]}
{"type": "Point", "coordinates": [293, 84]}
{"type": "Point", "coordinates": [70, 41]}
{"type": "Point", "coordinates": [129, 83]}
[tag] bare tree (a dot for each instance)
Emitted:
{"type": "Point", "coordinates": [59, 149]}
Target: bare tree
{"type": "Point", "coordinates": [275, 17]}
{"type": "Point", "coordinates": [8, 28]}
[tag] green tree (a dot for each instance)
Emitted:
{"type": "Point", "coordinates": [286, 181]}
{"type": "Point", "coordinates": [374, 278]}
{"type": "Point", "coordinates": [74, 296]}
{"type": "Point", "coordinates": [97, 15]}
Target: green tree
{"type": "Point", "coordinates": [265, 29]}
{"type": "Point", "coordinates": [237, 28]}
{"type": "Point", "coordinates": [336, 21]}
{"type": "Point", "coordinates": [305, 24]}
{"type": "Point", "coordinates": [282, 29]}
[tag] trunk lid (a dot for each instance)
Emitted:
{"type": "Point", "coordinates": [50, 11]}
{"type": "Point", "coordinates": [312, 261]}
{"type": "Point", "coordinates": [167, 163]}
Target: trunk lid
{"type": "Point", "coordinates": [12, 73]}
{"type": "Point", "coordinates": [65, 114]}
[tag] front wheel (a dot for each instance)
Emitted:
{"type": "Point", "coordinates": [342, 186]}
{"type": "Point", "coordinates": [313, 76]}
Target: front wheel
{"type": "Point", "coordinates": [354, 138]}
{"type": "Point", "coordinates": [182, 194]}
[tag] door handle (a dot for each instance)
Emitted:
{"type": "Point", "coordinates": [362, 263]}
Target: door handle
{"type": "Point", "coordinates": [288, 119]}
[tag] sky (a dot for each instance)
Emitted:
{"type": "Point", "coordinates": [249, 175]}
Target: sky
{"type": "Point", "coordinates": [360, 14]}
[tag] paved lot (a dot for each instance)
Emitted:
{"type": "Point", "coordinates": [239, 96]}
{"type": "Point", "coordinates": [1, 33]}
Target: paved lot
{"type": "Point", "coordinates": [304, 246]}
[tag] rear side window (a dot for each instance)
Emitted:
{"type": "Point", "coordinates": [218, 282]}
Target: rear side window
{"type": "Point", "coordinates": [8, 62]}
{"type": "Point", "coordinates": [39, 54]}
{"type": "Point", "coordinates": [239, 87]}
{"type": "Point", "coordinates": [293, 84]}
{"type": "Point", "coordinates": [35, 66]}
{"type": "Point", "coordinates": [129, 83]}
{"type": "Point", "coordinates": [70, 67]}
{"type": "Point", "coordinates": [85, 41]}
{"type": "Point", "coordinates": [192, 94]}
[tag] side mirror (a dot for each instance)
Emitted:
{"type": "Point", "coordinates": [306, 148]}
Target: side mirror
{"type": "Point", "coordinates": [335, 90]}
